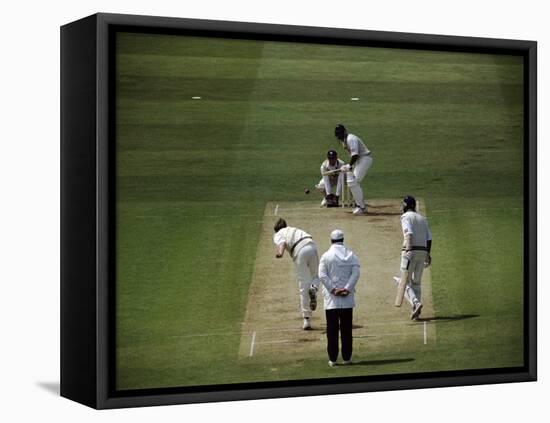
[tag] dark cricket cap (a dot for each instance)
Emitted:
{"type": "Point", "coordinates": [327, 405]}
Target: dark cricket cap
{"type": "Point", "coordinates": [332, 154]}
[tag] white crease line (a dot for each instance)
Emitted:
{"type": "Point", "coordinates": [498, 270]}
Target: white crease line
{"type": "Point", "coordinates": [357, 337]}
{"type": "Point", "coordinates": [252, 344]}
{"type": "Point", "coordinates": [266, 330]}
{"type": "Point", "coordinates": [382, 335]}
{"type": "Point", "coordinates": [404, 323]}
{"type": "Point", "coordinates": [393, 209]}
{"type": "Point", "coordinates": [425, 334]}
{"type": "Point", "coordinates": [276, 210]}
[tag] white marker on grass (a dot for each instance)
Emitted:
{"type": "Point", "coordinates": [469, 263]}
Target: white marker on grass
{"type": "Point", "coordinates": [252, 344]}
{"type": "Point", "coordinates": [196, 98]}
{"type": "Point", "coordinates": [276, 210]}
{"type": "Point", "coordinates": [425, 334]}
{"type": "Point", "coordinates": [354, 99]}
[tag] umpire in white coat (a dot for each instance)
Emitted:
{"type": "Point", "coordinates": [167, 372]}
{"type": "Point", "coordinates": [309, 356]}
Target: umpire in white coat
{"type": "Point", "coordinates": [339, 273]}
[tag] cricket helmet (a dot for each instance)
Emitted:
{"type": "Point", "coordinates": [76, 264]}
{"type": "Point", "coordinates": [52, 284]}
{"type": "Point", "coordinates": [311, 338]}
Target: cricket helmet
{"type": "Point", "coordinates": [409, 203]}
{"type": "Point", "coordinates": [332, 154]}
{"type": "Point", "coordinates": [340, 131]}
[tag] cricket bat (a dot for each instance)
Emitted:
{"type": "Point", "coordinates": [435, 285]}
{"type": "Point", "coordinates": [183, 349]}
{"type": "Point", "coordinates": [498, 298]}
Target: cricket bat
{"type": "Point", "coordinates": [331, 172]}
{"type": "Point", "coordinates": [401, 288]}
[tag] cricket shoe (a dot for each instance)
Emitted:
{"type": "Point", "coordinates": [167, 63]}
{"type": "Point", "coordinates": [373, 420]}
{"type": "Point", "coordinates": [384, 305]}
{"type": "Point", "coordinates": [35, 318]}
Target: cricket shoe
{"type": "Point", "coordinates": [312, 298]}
{"type": "Point", "coordinates": [348, 362]}
{"type": "Point", "coordinates": [417, 308]}
{"type": "Point", "coordinates": [396, 280]}
{"type": "Point", "coordinates": [324, 202]}
{"type": "Point", "coordinates": [359, 211]}
{"type": "Point", "coordinates": [306, 325]}
{"type": "Point", "coordinates": [332, 363]}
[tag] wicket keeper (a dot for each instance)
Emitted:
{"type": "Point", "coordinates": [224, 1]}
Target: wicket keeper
{"type": "Point", "coordinates": [332, 180]}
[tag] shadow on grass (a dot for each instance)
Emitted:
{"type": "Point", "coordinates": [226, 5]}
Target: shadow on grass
{"type": "Point", "coordinates": [447, 318]}
{"type": "Point", "coordinates": [51, 387]}
{"type": "Point", "coordinates": [370, 214]}
{"type": "Point", "coordinates": [394, 206]}
{"type": "Point", "coordinates": [354, 326]}
{"type": "Point", "coordinates": [381, 362]}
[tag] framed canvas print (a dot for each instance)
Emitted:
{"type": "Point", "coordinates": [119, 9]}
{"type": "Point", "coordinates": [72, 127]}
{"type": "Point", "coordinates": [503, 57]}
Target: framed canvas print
{"type": "Point", "coordinates": [257, 211]}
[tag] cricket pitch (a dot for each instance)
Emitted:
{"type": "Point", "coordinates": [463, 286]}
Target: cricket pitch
{"type": "Point", "coordinates": [272, 328]}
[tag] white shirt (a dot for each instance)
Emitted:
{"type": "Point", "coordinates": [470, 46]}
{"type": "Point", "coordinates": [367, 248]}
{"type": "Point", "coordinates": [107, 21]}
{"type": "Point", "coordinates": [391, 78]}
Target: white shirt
{"type": "Point", "coordinates": [415, 224]}
{"type": "Point", "coordinates": [339, 268]}
{"type": "Point", "coordinates": [355, 147]}
{"type": "Point", "coordinates": [291, 236]}
{"type": "Point", "coordinates": [326, 167]}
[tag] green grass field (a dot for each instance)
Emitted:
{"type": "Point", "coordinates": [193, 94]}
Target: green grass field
{"type": "Point", "coordinates": [194, 176]}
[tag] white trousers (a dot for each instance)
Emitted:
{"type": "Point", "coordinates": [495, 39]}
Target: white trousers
{"type": "Point", "coordinates": [306, 262]}
{"type": "Point", "coordinates": [415, 266]}
{"type": "Point", "coordinates": [325, 184]}
{"type": "Point", "coordinates": [354, 178]}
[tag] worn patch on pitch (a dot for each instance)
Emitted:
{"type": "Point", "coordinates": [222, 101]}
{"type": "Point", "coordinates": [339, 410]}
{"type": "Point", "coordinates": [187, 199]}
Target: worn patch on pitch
{"type": "Point", "coordinates": [272, 328]}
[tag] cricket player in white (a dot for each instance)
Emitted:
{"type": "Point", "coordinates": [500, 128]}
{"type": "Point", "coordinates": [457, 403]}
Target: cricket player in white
{"type": "Point", "coordinates": [331, 178]}
{"type": "Point", "coordinates": [417, 244]}
{"type": "Point", "coordinates": [360, 162]}
{"type": "Point", "coordinates": [303, 251]}
{"type": "Point", "coordinates": [339, 273]}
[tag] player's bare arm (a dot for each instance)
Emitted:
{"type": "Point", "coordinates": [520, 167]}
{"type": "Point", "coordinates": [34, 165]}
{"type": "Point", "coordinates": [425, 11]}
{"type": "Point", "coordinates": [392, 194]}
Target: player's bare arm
{"type": "Point", "coordinates": [429, 256]}
{"type": "Point", "coordinates": [408, 244]}
{"type": "Point", "coordinates": [280, 250]}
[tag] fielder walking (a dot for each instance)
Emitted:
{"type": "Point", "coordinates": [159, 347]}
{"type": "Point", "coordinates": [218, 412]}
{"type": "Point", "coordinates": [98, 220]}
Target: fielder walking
{"type": "Point", "coordinates": [332, 180]}
{"type": "Point", "coordinates": [415, 256]}
{"type": "Point", "coordinates": [339, 273]}
{"type": "Point", "coordinates": [303, 251]}
{"type": "Point", "coordinates": [356, 169]}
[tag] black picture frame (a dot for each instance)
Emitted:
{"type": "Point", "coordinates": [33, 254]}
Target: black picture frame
{"type": "Point", "coordinates": [87, 210]}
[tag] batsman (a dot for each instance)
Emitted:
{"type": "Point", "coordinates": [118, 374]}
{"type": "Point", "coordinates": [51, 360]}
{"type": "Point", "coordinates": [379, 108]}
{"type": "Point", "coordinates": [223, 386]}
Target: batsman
{"type": "Point", "coordinates": [415, 256]}
{"type": "Point", "coordinates": [356, 169]}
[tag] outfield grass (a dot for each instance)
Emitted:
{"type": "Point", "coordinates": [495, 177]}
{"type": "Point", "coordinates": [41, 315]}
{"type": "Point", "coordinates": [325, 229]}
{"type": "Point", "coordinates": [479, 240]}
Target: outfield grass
{"type": "Point", "coordinates": [193, 178]}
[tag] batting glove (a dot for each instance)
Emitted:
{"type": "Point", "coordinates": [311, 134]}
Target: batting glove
{"type": "Point", "coordinates": [428, 261]}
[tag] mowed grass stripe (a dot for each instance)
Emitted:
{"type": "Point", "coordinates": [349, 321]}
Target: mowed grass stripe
{"type": "Point", "coordinates": [285, 112]}
{"type": "Point", "coordinates": [201, 47]}
{"type": "Point", "coordinates": [311, 69]}
{"type": "Point", "coordinates": [474, 138]}
{"type": "Point", "coordinates": [184, 88]}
